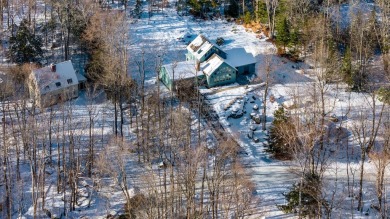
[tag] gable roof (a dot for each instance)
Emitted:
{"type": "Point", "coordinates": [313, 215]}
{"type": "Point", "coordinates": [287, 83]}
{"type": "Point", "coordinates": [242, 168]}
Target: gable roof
{"type": "Point", "coordinates": [64, 76]}
{"type": "Point", "coordinates": [239, 57]}
{"type": "Point", "coordinates": [212, 64]}
{"type": "Point", "coordinates": [200, 46]}
{"type": "Point", "coordinates": [182, 70]}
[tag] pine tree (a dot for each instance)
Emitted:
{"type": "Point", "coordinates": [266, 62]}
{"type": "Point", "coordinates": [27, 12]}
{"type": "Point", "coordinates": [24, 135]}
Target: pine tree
{"type": "Point", "coordinates": [283, 36]}
{"type": "Point", "coordinates": [303, 197]}
{"type": "Point", "coordinates": [262, 12]}
{"type": "Point", "coordinates": [196, 7]}
{"type": "Point", "coordinates": [384, 95]}
{"type": "Point", "coordinates": [25, 46]}
{"type": "Point", "coordinates": [346, 67]}
{"type": "Point", "coordinates": [232, 9]}
{"type": "Point", "coordinates": [278, 146]}
{"type": "Point", "coordinates": [247, 17]}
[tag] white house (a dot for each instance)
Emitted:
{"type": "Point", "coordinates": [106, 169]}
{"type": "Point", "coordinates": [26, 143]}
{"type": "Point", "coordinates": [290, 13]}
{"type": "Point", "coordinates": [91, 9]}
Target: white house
{"type": "Point", "coordinates": [53, 84]}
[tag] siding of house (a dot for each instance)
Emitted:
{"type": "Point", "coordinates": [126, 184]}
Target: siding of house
{"type": "Point", "coordinates": [169, 83]}
{"type": "Point", "coordinates": [59, 95]}
{"type": "Point", "coordinates": [33, 87]}
{"type": "Point", "coordinates": [190, 56]}
{"type": "Point", "coordinates": [224, 74]}
{"type": "Point", "coordinates": [53, 97]}
{"type": "Point", "coordinates": [164, 77]}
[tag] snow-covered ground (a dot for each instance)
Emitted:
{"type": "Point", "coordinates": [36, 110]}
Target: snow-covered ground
{"type": "Point", "coordinates": [271, 177]}
{"type": "Point", "coordinates": [274, 177]}
{"type": "Point", "coordinates": [168, 34]}
{"type": "Point", "coordinates": [344, 13]}
{"type": "Point", "coordinates": [165, 35]}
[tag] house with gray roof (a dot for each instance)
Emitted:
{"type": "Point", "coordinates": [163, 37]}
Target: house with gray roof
{"type": "Point", "coordinates": [207, 63]}
{"type": "Point", "coordinates": [53, 84]}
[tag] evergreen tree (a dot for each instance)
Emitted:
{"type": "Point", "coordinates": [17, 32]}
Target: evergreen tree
{"type": "Point", "coordinates": [196, 7]}
{"type": "Point", "coordinates": [384, 95]}
{"type": "Point", "coordinates": [247, 17]}
{"type": "Point", "coordinates": [278, 145]}
{"type": "Point", "coordinates": [283, 36]}
{"type": "Point", "coordinates": [346, 67]}
{"type": "Point", "coordinates": [262, 12]}
{"type": "Point", "coordinates": [25, 46]}
{"type": "Point", "coordinates": [294, 37]}
{"type": "Point", "coordinates": [303, 197]}
{"type": "Point", "coordinates": [233, 9]}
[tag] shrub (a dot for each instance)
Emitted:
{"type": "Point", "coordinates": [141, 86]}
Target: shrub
{"type": "Point", "coordinates": [135, 204]}
{"type": "Point", "coordinates": [304, 197]}
{"type": "Point", "coordinates": [384, 95]}
{"type": "Point", "coordinates": [282, 136]}
{"type": "Point", "coordinates": [220, 41]}
{"type": "Point", "coordinates": [247, 17]}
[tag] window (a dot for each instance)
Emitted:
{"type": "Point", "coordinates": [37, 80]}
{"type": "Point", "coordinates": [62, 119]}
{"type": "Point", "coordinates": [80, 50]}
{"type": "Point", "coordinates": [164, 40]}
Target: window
{"type": "Point", "coordinates": [58, 84]}
{"type": "Point", "coordinates": [70, 81]}
{"type": "Point", "coordinates": [47, 87]}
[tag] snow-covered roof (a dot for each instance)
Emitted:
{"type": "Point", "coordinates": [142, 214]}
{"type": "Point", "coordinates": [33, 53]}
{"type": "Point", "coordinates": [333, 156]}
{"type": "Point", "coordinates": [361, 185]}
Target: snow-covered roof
{"type": "Point", "coordinates": [213, 63]}
{"type": "Point", "coordinates": [239, 57]}
{"type": "Point", "coordinates": [81, 78]}
{"type": "Point", "coordinates": [49, 80]}
{"type": "Point", "coordinates": [200, 46]}
{"type": "Point", "coordinates": [182, 70]}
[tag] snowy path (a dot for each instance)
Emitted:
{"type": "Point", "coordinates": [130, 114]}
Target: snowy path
{"type": "Point", "coordinates": [271, 177]}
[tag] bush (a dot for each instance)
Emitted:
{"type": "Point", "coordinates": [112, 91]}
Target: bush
{"type": "Point", "coordinates": [220, 41]}
{"type": "Point", "coordinates": [304, 196]}
{"type": "Point", "coordinates": [280, 136]}
{"type": "Point", "coordinates": [247, 17]}
{"type": "Point", "coordinates": [384, 95]}
{"type": "Point", "coordinates": [135, 204]}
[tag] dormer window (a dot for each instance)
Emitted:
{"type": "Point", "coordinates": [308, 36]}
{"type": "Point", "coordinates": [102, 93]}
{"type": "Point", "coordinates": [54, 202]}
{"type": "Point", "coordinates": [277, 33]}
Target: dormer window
{"type": "Point", "coordinates": [70, 81]}
{"type": "Point", "coordinates": [58, 84]}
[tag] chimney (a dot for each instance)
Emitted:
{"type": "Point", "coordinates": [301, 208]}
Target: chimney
{"type": "Point", "coordinates": [197, 65]}
{"type": "Point", "coordinates": [53, 67]}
